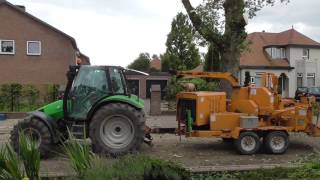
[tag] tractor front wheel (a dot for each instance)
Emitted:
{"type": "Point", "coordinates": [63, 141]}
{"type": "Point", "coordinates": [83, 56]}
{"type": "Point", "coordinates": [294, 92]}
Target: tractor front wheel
{"type": "Point", "coordinates": [117, 129]}
{"type": "Point", "coordinates": [37, 131]}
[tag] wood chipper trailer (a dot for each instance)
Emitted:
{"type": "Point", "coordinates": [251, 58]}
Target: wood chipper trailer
{"type": "Point", "coordinates": [254, 116]}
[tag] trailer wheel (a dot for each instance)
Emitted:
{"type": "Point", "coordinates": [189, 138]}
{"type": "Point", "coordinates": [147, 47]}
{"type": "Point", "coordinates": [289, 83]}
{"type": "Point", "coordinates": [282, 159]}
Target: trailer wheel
{"type": "Point", "coordinates": [276, 142]}
{"type": "Point", "coordinates": [248, 143]}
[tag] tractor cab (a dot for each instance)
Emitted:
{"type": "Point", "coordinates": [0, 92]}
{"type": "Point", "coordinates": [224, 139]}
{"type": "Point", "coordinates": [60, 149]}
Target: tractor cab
{"type": "Point", "coordinates": [91, 84]}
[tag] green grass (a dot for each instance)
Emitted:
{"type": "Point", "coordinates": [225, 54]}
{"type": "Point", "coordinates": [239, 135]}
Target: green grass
{"type": "Point", "coordinates": [310, 170]}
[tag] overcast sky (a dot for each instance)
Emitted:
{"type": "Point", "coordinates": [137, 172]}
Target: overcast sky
{"type": "Point", "coordinates": [114, 32]}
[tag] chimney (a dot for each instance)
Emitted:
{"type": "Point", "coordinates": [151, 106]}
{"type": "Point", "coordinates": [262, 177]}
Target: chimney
{"type": "Point", "coordinates": [263, 31]}
{"type": "Point", "coordinates": [23, 8]}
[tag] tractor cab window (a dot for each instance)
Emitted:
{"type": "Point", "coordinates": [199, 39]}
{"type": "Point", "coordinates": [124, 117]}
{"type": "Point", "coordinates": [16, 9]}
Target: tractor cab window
{"type": "Point", "coordinates": [117, 81]}
{"type": "Point", "coordinates": [89, 86]}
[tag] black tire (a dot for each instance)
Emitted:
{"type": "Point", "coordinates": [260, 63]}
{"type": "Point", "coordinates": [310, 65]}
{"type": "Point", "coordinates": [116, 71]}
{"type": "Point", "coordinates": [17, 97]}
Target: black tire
{"type": "Point", "coordinates": [243, 147]}
{"type": "Point", "coordinates": [279, 147]}
{"type": "Point", "coordinates": [34, 126]}
{"type": "Point", "coordinates": [130, 118]}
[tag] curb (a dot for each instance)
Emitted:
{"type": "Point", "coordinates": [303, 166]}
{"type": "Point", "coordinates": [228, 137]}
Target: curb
{"type": "Point", "coordinates": [231, 168]}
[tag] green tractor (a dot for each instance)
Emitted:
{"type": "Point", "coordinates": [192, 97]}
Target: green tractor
{"type": "Point", "coordinates": [96, 104]}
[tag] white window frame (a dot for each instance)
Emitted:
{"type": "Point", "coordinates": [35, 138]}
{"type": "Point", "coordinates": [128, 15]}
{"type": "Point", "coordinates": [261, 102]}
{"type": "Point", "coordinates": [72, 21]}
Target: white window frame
{"type": "Point", "coordinates": [311, 75]}
{"type": "Point", "coordinates": [300, 75]}
{"type": "Point", "coordinates": [14, 47]}
{"type": "Point", "coordinates": [283, 53]}
{"type": "Point", "coordinates": [34, 54]}
{"type": "Point", "coordinates": [308, 54]}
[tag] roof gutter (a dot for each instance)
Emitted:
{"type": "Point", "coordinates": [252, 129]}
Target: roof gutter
{"type": "Point", "coordinates": [268, 67]}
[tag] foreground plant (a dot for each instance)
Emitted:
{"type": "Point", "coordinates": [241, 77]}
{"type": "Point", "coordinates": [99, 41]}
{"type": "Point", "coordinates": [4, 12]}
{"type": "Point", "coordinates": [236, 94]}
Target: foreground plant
{"type": "Point", "coordinates": [30, 156]}
{"type": "Point", "coordinates": [10, 164]}
{"type": "Point", "coordinates": [79, 154]}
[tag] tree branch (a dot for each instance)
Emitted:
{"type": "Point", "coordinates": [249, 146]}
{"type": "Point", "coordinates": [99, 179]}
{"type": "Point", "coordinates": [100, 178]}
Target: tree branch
{"type": "Point", "coordinates": [204, 31]}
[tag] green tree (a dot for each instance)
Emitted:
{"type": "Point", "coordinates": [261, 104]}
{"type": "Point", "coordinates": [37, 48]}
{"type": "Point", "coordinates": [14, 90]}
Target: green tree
{"type": "Point", "coordinates": [181, 53]}
{"type": "Point", "coordinates": [222, 25]}
{"type": "Point", "coordinates": [142, 63]}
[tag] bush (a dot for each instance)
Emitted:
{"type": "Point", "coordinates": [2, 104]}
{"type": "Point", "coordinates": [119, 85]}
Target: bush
{"type": "Point", "coordinates": [53, 92]}
{"type": "Point", "coordinates": [136, 168]}
{"type": "Point", "coordinates": [31, 93]}
{"type": "Point", "coordinates": [11, 94]}
{"type": "Point", "coordinates": [176, 85]}
{"type": "Point", "coordinates": [22, 98]}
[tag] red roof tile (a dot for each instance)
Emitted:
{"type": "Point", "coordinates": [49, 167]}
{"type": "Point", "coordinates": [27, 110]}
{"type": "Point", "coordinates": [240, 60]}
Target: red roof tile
{"type": "Point", "coordinates": [257, 56]}
{"type": "Point", "coordinates": [155, 63]}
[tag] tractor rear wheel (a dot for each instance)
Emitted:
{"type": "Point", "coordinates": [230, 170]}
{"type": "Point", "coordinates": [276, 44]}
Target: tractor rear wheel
{"type": "Point", "coordinates": [117, 129]}
{"type": "Point", "coordinates": [248, 143]}
{"type": "Point", "coordinates": [276, 142]}
{"type": "Point", "coordinates": [35, 129]}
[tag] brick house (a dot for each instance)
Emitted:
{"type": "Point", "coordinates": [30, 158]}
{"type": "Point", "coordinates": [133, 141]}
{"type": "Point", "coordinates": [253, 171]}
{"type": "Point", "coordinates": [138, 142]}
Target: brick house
{"type": "Point", "coordinates": [32, 51]}
{"type": "Point", "coordinates": [294, 57]}
{"type": "Point", "coordinates": [155, 63]}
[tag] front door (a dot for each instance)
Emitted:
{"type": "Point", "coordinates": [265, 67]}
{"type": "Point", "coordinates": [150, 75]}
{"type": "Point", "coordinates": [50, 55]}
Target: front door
{"type": "Point", "coordinates": [283, 85]}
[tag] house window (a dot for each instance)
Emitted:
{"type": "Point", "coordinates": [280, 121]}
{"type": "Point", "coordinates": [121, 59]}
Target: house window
{"type": "Point", "coordinates": [311, 79]}
{"type": "Point", "coordinates": [257, 78]}
{"type": "Point", "coordinates": [277, 53]}
{"type": "Point", "coordinates": [283, 53]}
{"type": "Point", "coordinates": [7, 47]}
{"type": "Point", "coordinates": [34, 48]}
{"type": "Point", "coordinates": [305, 53]}
{"type": "Point", "coordinates": [299, 80]}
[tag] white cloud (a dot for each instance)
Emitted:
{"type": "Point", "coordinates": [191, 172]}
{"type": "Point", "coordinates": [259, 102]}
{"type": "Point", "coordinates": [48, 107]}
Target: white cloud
{"type": "Point", "coordinates": [301, 14]}
{"type": "Point", "coordinates": [114, 32]}
{"type": "Point", "coordinates": [111, 38]}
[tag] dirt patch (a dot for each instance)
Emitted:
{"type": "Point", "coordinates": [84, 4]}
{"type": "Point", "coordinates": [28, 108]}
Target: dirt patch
{"type": "Point", "coordinates": [197, 152]}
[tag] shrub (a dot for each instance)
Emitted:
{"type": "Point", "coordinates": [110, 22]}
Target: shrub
{"type": "Point", "coordinates": [31, 93]}
{"type": "Point", "coordinates": [11, 94]}
{"type": "Point", "coordinates": [53, 92]}
{"type": "Point", "coordinates": [138, 167]}
{"type": "Point", "coordinates": [175, 86]}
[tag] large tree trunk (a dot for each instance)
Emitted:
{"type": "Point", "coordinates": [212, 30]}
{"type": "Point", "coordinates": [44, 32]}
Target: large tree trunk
{"type": "Point", "coordinates": [229, 44]}
{"type": "Point", "coordinates": [234, 35]}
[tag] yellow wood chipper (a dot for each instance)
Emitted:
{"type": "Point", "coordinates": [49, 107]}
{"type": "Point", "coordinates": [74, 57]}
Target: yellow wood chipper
{"type": "Point", "coordinates": [254, 117]}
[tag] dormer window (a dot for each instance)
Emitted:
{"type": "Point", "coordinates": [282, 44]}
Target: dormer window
{"type": "Point", "coordinates": [276, 53]}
